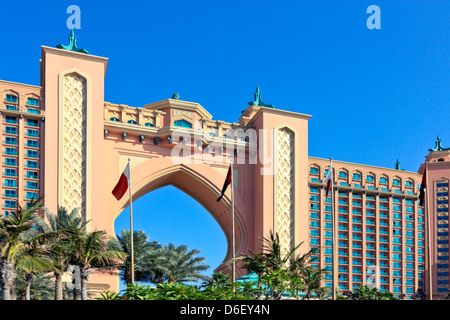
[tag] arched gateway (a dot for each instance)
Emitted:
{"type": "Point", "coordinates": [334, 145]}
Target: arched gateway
{"type": "Point", "coordinates": [87, 144]}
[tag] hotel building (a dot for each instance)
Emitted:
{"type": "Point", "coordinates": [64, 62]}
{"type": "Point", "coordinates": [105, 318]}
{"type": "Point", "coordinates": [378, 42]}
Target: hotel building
{"type": "Point", "coordinates": [381, 233]}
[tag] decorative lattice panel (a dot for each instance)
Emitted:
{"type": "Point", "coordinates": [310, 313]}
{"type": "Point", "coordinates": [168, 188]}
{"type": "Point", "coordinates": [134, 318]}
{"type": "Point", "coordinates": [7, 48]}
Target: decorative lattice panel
{"type": "Point", "coordinates": [74, 143]}
{"type": "Point", "coordinates": [285, 188]}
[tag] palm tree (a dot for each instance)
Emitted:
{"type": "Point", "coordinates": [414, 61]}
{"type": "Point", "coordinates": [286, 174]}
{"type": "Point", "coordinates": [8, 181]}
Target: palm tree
{"type": "Point", "coordinates": [92, 250]}
{"type": "Point", "coordinates": [271, 264]}
{"type": "Point", "coordinates": [178, 265]}
{"type": "Point", "coordinates": [21, 246]}
{"type": "Point", "coordinates": [63, 222]}
{"type": "Point", "coordinates": [143, 257]}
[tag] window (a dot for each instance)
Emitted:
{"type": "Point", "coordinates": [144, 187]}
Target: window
{"type": "Point", "coordinates": [182, 123]}
{"type": "Point", "coordinates": [31, 195]}
{"type": "Point", "coordinates": [409, 184]}
{"type": "Point", "coordinates": [33, 102]}
{"type": "Point", "coordinates": [9, 119]}
{"type": "Point", "coordinates": [383, 180]}
{"type": "Point", "coordinates": [32, 133]}
{"type": "Point", "coordinates": [11, 130]}
{"type": "Point", "coordinates": [32, 154]}
{"type": "Point", "coordinates": [10, 204]}
{"type": "Point", "coordinates": [32, 123]}
{"type": "Point", "coordinates": [10, 193]}
{"type": "Point", "coordinates": [131, 122]}
{"type": "Point", "coordinates": [32, 175]}
{"type": "Point", "coordinates": [356, 176]}
{"type": "Point", "coordinates": [369, 179]}
{"type": "Point", "coordinates": [32, 164]}
{"type": "Point", "coordinates": [342, 174]}
{"type": "Point", "coordinates": [148, 124]}
{"type": "Point", "coordinates": [314, 170]}
{"type": "Point", "coordinates": [11, 140]}
{"type": "Point", "coordinates": [12, 108]}
{"type": "Point", "coordinates": [10, 162]}
{"type": "Point", "coordinates": [114, 119]}
{"type": "Point", "coordinates": [11, 98]}
{"type": "Point", "coordinates": [10, 172]}
{"type": "Point", "coordinates": [33, 110]}
{"type": "Point", "coordinates": [10, 183]}
{"type": "Point", "coordinates": [32, 143]}
{"type": "Point", "coordinates": [32, 185]}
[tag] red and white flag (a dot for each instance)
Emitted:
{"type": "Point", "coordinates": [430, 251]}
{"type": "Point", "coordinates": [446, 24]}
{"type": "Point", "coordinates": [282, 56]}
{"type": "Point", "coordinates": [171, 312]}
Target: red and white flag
{"type": "Point", "coordinates": [122, 186]}
{"type": "Point", "coordinates": [329, 179]}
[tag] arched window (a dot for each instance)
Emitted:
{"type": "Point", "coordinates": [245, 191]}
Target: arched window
{"type": "Point", "coordinates": [182, 123]}
{"type": "Point", "coordinates": [114, 119]}
{"type": "Point", "coordinates": [131, 121]}
{"type": "Point", "coordinates": [148, 124]}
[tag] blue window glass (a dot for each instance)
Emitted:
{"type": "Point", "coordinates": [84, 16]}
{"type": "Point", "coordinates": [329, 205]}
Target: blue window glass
{"type": "Point", "coordinates": [32, 154]}
{"type": "Point", "coordinates": [9, 119]}
{"type": "Point", "coordinates": [10, 204]}
{"type": "Point", "coordinates": [10, 183]}
{"type": "Point", "coordinates": [32, 175]}
{"type": "Point", "coordinates": [33, 102]}
{"type": "Point", "coordinates": [32, 133]}
{"type": "Point", "coordinates": [10, 193]}
{"type": "Point", "coordinates": [342, 174]}
{"type": "Point", "coordinates": [33, 110]}
{"type": "Point", "coordinates": [32, 123]}
{"type": "Point", "coordinates": [10, 161]}
{"type": "Point", "coordinates": [31, 195]}
{"type": "Point", "coordinates": [11, 130]}
{"type": "Point", "coordinates": [32, 164]}
{"type": "Point", "coordinates": [32, 185]}
{"type": "Point", "coordinates": [13, 108]}
{"type": "Point", "coordinates": [131, 122]}
{"type": "Point", "coordinates": [314, 170]}
{"type": "Point", "coordinates": [148, 124]}
{"type": "Point", "coordinates": [383, 180]}
{"type": "Point", "coordinates": [11, 98]}
{"type": "Point", "coordinates": [32, 143]}
{"type": "Point", "coordinates": [11, 172]}
{"type": "Point", "coordinates": [182, 123]}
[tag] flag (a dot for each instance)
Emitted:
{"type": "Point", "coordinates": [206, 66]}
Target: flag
{"type": "Point", "coordinates": [329, 179]}
{"type": "Point", "coordinates": [123, 183]}
{"type": "Point", "coordinates": [225, 184]}
{"type": "Point", "coordinates": [423, 185]}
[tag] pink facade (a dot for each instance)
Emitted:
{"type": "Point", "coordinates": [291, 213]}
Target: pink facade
{"type": "Point", "coordinates": [72, 147]}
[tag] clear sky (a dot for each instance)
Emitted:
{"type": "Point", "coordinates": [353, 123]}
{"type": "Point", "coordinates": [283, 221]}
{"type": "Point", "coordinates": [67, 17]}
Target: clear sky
{"type": "Point", "coordinates": [375, 95]}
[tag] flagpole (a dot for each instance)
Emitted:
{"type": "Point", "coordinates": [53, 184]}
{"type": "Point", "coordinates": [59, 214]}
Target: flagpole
{"type": "Point", "coordinates": [333, 233]}
{"type": "Point", "coordinates": [430, 282]}
{"type": "Point", "coordinates": [131, 224]}
{"type": "Point", "coordinates": [232, 224]}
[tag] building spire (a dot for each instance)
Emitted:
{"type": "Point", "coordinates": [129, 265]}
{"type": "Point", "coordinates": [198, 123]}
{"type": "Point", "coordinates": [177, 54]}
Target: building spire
{"type": "Point", "coordinates": [257, 100]}
{"type": "Point", "coordinates": [72, 46]}
{"type": "Point", "coordinates": [438, 146]}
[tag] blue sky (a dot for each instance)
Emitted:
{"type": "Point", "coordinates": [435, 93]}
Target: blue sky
{"type": "Point", "coordinates": [375, 95]}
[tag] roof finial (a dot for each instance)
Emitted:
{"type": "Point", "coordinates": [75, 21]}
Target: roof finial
{"type": "Point", "coordinates": [72, 46]}
{"type": "Point", "coordinates": [438, 146]}
{"type": "Point", "coordinates": [257, 100]}
{"type": "Point", "coordinates": [397, 165]}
